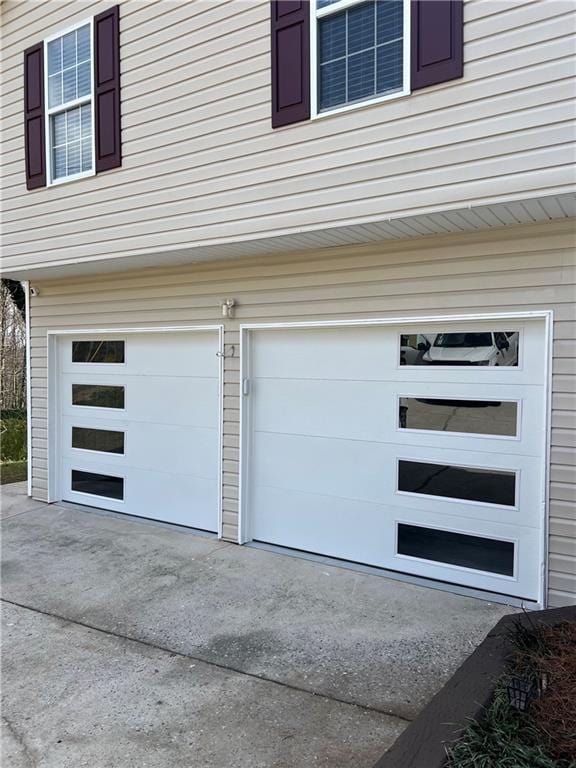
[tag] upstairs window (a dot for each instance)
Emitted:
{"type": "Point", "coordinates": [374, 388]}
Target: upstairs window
{"type": "Point", "coordinates": [329, 56]}
{"type": "Point", "coordinates": [361, 52]}
{"type": "Point", "coordinates": [70, 138]}
{"type": "Point", "coordinates": [72, 121]}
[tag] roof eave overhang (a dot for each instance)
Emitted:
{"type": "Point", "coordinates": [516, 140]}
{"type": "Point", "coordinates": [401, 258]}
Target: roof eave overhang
{"type": "Point", "coordinates": [471, 217]}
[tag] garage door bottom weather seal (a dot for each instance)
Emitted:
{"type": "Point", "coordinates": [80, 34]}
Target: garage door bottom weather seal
{"type": "Point", "coordinates": [136, 518]}
{"type": "Point", "coordinates": [407, 578]}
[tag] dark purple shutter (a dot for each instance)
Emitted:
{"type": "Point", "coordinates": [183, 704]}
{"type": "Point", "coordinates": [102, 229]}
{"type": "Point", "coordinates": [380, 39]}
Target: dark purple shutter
{"type": "Point", "coordinates": [107, 90]}
{"type": "Point", "coordinates": [437, 41]}
{"type": "Point", "coordinates": [290, 61]}
{"type": "Point", "coordinates": [34, 137]}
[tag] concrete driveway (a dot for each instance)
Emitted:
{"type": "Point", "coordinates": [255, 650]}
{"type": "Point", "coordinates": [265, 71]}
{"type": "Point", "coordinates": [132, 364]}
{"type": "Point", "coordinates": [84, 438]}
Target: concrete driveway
{"type": "Point", "coordinates": [131, 644]}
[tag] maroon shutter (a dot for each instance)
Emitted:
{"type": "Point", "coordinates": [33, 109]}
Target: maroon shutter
{"type": "Point", "coordinates": [107, 90]}
{"type": "Point", "coordinates": [290, 61]}
{"type": "Point", "coordinates": [437, 41]}
{"type": "Point", "coordinates": [34, 137]}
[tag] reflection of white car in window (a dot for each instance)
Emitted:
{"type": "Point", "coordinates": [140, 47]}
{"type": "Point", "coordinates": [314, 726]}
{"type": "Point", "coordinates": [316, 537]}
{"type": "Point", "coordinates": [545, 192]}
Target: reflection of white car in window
{"type": "Point", "coordinates": [413, 346]}
{"type": "Point", "coordinates": [477, 348]}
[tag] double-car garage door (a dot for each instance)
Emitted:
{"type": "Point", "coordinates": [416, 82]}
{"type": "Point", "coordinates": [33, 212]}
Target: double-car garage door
{"type": "Point", "coordinates": [419, 449]}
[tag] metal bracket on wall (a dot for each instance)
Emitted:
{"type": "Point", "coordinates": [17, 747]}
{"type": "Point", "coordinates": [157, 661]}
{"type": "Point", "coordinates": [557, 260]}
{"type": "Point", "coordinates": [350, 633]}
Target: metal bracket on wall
{"type": "Point", "coordinates": [231, 349]}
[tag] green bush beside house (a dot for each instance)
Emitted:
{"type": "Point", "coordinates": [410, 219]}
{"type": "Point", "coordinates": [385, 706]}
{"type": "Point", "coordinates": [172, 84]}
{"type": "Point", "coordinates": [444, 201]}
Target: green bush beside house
{"type": "Point", "coordinates": [13, 443]}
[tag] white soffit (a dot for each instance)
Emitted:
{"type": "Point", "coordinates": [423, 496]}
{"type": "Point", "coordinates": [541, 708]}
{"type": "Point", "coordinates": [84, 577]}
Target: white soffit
{"type": "Point", "coordinates": [473, 217]}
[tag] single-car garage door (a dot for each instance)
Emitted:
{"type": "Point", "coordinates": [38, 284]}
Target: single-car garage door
{"type": "Point", "coordinates": [139, 424]}
{"type": "Point", "coordinates": [417, 449]}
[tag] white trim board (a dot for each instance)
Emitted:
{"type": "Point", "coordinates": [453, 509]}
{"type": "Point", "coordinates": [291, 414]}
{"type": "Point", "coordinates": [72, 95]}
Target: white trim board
{"type": "Point", "coordinates": [401, 320]}
{"type": "Point", "coordinates": [26, 285]}
{"type": "Point", "coordinates": [113, 331]}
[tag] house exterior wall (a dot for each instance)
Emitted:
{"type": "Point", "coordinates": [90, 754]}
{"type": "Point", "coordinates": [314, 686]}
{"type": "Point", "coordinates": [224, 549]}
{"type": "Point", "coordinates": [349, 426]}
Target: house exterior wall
{"type": "Point", "coordinates": [512, 269]}
{"type": "Point", "coordinates": [202, 164]}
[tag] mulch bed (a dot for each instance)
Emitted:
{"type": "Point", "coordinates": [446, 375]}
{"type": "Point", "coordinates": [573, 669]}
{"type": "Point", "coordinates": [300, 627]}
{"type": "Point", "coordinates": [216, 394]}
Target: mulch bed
{"type": "Point", "coordinates": [544, 735]}
{"type": "Point", "coordinates": [554, 713]}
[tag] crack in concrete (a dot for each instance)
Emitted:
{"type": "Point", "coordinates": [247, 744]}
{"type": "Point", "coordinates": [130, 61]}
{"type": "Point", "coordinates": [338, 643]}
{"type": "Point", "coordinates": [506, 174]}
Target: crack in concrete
{"type": "Point", "coordinates": [24, 512]}
{"type": "Point", "coordinates": [28, 753]}
{"type": "Point", "coordinates": [200, 659]}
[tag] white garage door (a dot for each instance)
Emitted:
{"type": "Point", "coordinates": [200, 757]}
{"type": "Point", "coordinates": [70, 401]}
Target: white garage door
{"type": "Point", "coordinates": [413, 449]}
{"type": "Point", "coordinates": [139, 424]}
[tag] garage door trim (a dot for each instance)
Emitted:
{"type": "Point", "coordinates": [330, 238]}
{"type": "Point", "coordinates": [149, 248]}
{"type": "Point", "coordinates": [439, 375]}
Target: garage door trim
{"type": "Point", "coordinates": [53, 394]}
{"type": "Point", "coordinates": [546, 316]}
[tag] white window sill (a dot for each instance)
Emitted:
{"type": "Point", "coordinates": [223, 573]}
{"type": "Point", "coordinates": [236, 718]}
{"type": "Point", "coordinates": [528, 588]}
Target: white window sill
{"type": "Point", "coordinates": [67, 179]}
{"type": "Point", "coordinates": [360, 104]}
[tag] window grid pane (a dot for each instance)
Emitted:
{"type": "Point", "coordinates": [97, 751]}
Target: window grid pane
{"type": "Point", "coordinates": [55, 89]}
{"type": "Point", "coordinates": [360, 53]}
{"type": "Point", "coordinates": [83, 44]}
{"type": "Point", "coordinates": [73, 158]}
{"type": "Point", "coordinates": [71, 137]}
{"type": "Point", "coordinates": [69, 67]}
{"type": "Point", "coordinates": [69, 79]}
{"type": "Point", "coordinates": [55, 56]}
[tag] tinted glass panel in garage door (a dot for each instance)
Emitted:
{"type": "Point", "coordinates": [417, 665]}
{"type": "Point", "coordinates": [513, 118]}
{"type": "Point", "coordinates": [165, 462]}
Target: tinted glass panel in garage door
{"type": "Point", "coordinates": [480, 417]}
{"type": "Point", "coordinates": [97, 351]}
{"type": "Point", "coordinates": [477, 552]}
{"type": "Point", "coordinates": [98, 485]}
{"type": "Point", "coordinates": [97, 396]}
{"type": "Point", "coordinates": [490, 486]}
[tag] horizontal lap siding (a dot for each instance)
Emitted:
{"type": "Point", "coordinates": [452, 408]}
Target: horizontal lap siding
{"type": "Point", "coordinates": [201, 162]}
{"type": "Point", "coordinates": [525, 268]}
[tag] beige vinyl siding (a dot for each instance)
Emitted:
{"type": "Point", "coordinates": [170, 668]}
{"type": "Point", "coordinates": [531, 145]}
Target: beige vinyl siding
{"type": "Point", "coordinates": [512, 269]}
{"type": "Point", "coordinates": [202, 164]}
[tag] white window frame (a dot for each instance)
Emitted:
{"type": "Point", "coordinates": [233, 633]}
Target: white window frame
{"type": "Point", "coordinates": [329, 10]}
{"type": "Point", "coordinates": [50, 180]}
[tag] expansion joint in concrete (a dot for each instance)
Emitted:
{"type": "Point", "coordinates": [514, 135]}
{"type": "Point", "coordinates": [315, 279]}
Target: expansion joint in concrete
{"type": "Point", "coordinates": [208, 662]}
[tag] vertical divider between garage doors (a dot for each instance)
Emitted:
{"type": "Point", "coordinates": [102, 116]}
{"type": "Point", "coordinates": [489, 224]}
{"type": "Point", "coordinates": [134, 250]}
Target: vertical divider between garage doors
{"type": "Point", "coordinates": [54, 401]}
{"type": "Point", "coordinates": [246, 336]}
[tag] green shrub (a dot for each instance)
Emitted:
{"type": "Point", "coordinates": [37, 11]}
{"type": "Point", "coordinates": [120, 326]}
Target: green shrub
{"type": "Point", "coordinates": [14, 472]}
{"type": "Point", "coordinates": [12, 438]}
{"type": "Point", "coordinates": [12, 413]}
{"type": "Point", "coordinates": [504, 738]}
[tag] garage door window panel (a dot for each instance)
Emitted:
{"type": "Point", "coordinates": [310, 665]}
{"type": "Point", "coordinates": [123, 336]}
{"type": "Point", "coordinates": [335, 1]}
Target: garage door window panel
{"type": "Point", "coordinates": [96, 484]}
{"type": "Point", "coordinates": [98, 396]}
{"type": "Point", "coordinates": [460, 348]}
{"type": "Point", "coordinates": [492, 418]}
{"type": "Point", "coordinates": [458, 549]}
{"type": "Point", "coordinates": [98, 351]}
{"type": "Point", "coordinates": [461, 483]}
{"type": "Point", "coordinates": [98, 440]}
